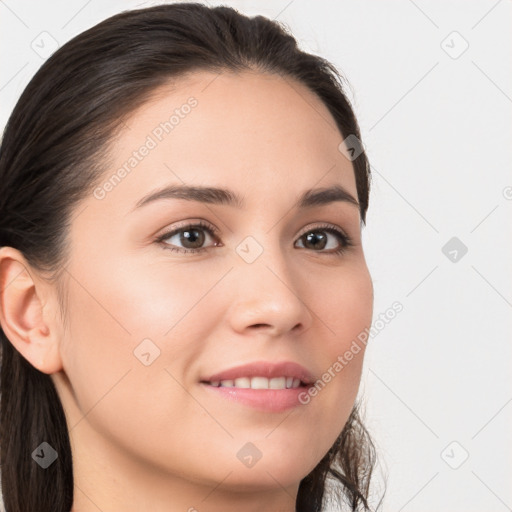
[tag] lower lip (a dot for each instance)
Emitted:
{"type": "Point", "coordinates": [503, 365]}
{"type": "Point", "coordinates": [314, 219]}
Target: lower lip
{"type": "Point", "coordinates": [268, 400]}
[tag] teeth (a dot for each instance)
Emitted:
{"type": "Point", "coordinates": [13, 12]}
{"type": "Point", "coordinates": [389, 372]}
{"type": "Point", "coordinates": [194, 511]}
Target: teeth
{"type": "Point", "coordinates": [243, 382]}
{"type": "Point", "coordinates": [277, 383]}
{"type": "Point", "coordinates": [258, 383]}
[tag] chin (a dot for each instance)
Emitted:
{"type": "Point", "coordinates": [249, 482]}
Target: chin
{"type": "Point", "coordinates": [253, 480]}
{"type": "Point", "coordinates": [269, 472]}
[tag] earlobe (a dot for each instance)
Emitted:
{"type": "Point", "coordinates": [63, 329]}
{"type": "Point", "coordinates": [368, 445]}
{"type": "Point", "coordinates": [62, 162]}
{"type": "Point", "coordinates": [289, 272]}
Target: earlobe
{"type": "Point", "coordinates": [22, 312]}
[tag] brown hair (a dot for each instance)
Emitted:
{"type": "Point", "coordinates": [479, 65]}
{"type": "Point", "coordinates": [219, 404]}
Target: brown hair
{"type": "Point", "coordinates": [50, 159]}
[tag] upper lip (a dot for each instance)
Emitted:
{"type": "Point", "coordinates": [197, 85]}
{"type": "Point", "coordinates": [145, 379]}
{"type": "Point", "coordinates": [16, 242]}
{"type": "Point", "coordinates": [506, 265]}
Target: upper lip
{"type": "Point", "coordinates": [264, 369]}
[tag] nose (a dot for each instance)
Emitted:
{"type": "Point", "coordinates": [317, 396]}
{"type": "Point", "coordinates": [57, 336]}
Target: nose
{"type": "Point", "coordinates": [270, 297]}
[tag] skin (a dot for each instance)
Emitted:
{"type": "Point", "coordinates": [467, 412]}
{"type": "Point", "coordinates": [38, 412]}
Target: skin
{"type": "Point", "coordinates": [150, 437]}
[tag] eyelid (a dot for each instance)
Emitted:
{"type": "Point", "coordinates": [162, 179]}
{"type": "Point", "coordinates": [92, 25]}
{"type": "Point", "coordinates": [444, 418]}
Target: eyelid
{"type": "Point", "coordinates": [324, 225]}
{"type": "Point", "coordinates": [205, 224]}
{"type": "Point", "coordinates": [188, 224]}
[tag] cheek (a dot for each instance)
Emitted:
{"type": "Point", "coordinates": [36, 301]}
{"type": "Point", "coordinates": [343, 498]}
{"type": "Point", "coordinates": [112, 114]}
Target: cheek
{"type": "Point", "coordinates": [119, 315]}
{"type": "Point", "coordinates": [344, 305]}
{"type": "Point", "coordinates": [345, 310]}
{"type": "Point", "coordinates": [119, 395]}
{"type": "Point", "coordinates": [156, 299]}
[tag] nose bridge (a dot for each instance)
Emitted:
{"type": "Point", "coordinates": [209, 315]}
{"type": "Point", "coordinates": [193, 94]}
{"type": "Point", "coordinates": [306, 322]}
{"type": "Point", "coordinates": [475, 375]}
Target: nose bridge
{"type": "Point", "coordinates": [268, 291]}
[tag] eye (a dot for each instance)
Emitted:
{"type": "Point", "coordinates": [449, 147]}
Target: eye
{"type": "Point", "coordinates": [191, 236]}
{"type": "Point", "coordinates": [317, 239]}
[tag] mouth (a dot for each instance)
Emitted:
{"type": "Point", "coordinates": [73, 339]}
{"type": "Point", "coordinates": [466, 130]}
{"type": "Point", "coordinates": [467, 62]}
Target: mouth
{"type": "Point", "coordinates": [264, 386]}
{"type": "Point", "coordinates": [258, 382]}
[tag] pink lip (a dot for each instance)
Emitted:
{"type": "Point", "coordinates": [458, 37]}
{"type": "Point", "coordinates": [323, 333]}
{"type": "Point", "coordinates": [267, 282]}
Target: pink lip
{"type": "Point", "coordinates": [264, 369]}
{"type": "Point", "coordinates": [268, 400]}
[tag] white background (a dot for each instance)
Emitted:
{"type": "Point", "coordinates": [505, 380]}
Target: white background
{"type": "Point", "coordinates": [438, 133]}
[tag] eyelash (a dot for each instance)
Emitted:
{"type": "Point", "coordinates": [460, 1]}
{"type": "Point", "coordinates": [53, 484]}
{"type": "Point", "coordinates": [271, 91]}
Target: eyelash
{"type": "Point", "coordinates": [346, 241]}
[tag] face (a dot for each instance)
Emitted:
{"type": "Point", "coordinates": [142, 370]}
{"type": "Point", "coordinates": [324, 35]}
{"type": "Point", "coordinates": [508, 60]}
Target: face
{"type": "Point", "coordinates": [155, 307]}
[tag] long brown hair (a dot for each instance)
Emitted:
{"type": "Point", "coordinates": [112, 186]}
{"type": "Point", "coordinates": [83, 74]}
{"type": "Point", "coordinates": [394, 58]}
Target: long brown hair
{"type": "Point", "coordinates": [52, 156]}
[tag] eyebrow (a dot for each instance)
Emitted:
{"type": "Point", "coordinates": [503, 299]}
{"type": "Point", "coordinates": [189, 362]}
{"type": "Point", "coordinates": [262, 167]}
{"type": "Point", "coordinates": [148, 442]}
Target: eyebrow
{"type": "Point", "coordinates": [222, 196]}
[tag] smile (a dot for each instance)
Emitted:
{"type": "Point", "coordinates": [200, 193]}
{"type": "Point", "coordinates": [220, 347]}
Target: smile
{"type": "Point", "coordinates": [258, 383]}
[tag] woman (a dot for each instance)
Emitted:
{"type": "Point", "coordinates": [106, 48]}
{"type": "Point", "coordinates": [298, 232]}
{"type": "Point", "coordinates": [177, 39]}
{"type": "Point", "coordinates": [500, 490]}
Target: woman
{"type": "Point", "coordinates": [182, 192]}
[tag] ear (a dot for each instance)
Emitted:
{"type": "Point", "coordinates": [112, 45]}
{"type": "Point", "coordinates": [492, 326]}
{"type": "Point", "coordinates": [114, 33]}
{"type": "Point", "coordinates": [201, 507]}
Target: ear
{"type": "Point", "coordinates": [27, 312]}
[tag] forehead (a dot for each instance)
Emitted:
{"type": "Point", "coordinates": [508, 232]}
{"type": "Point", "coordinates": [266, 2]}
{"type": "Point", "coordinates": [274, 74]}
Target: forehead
{"type": "Point", "coordinates": [255, 131]}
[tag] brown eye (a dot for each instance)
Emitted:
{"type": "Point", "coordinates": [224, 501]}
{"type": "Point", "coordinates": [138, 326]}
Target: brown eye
{"type": "Point", "coordinates": [192, 238]}
{"type": "Point", "coordinates": [189, 238]}
{"type": "Point", "coordinates": [317, 240]}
